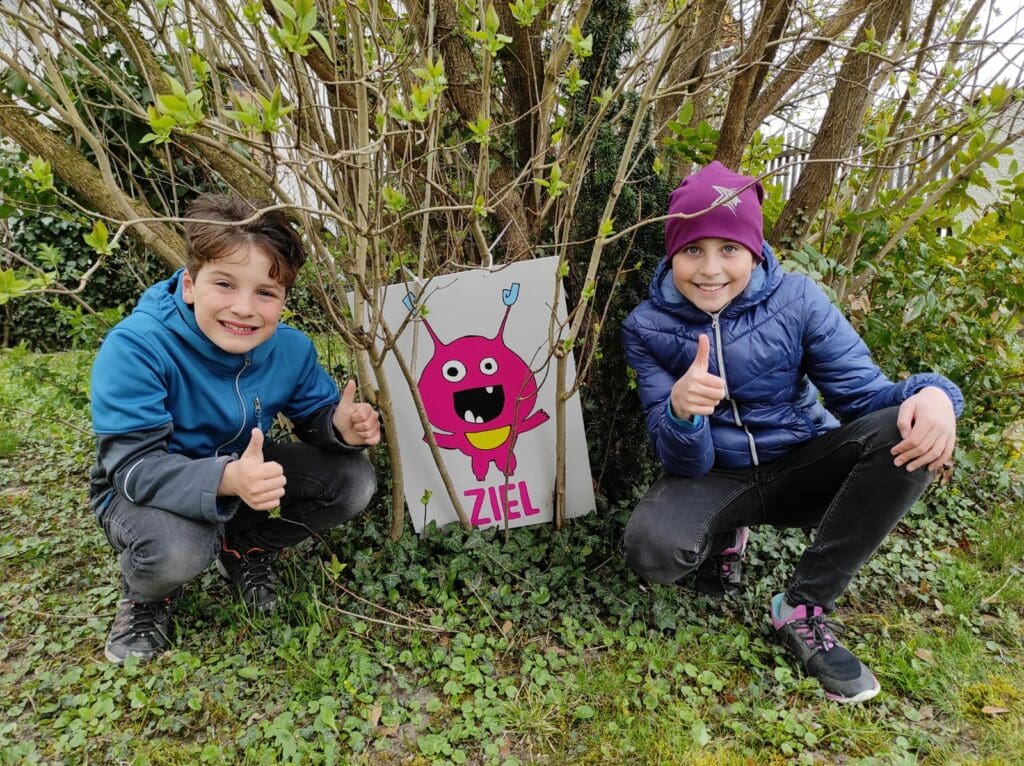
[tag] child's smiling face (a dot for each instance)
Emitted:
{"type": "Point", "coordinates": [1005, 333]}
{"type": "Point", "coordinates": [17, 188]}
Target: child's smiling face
{"type": "Point", "coordinates": [710, 272]}
{"type": "Point", "coordinates": [237, 303]}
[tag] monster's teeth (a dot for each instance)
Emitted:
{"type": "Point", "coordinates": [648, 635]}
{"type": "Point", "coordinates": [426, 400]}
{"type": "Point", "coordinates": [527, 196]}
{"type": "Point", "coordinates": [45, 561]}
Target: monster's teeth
{"type": "Point", "coordinates": [468, 417]}
{"type": "Point", "coordinates": [489, 389]}
{"type": "Point", "coordinates": [479, 418]}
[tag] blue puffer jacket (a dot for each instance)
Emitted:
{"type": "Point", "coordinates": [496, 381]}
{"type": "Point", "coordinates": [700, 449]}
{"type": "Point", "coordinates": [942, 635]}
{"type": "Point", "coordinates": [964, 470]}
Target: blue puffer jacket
{"type": "Point", "coordinates": [776, 346]}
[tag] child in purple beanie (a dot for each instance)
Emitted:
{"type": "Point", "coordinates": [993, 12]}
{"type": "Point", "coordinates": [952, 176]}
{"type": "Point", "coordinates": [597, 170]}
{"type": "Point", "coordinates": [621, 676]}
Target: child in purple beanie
{"type": "Point", "coordinates": [765, 407]}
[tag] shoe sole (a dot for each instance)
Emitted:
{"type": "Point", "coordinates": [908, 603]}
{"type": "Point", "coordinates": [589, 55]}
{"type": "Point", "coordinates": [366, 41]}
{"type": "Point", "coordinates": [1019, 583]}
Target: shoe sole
{"type": "Point", "coordinates": [864, 696]}
{"type": "Point", "coordinates": [121, 660]}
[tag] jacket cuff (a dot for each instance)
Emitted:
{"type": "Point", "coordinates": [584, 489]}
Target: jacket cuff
{"type": "Point", "coordinates": [217, 509]}
{"type": "Point", "coordinates": [925, 379]}
{"type": "Point", "coordinates": [691, 424]}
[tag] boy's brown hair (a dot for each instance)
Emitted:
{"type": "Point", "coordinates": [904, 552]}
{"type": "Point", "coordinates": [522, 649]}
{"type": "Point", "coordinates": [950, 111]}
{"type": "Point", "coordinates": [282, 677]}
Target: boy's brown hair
{"type": "Point", "coordinates": [271, 232]}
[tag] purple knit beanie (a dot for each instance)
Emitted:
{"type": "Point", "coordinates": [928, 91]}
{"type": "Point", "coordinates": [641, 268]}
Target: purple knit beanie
{"type": "Point", "coordinates": [731, 205]}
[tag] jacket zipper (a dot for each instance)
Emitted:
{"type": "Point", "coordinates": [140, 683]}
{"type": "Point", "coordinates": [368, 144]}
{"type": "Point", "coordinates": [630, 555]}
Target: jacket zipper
{"type": "Point", "coordinates": [258, 409]}
{"type": "Point", "coordinates": [241, 402]}
{"type": "Point", "coordinates": [719, 354]}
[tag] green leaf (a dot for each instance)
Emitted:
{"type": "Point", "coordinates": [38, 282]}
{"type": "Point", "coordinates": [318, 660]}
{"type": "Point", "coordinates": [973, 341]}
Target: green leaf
{"type": "Point", "coordinates": [321, 40]}
{"type": "Point", "coordinates": [393, 199]}
{"type": "Point", "coordinates": [491, 21]}
{"type": "Point", "coordinates": [41, 174]}
{"type": "Point", "coordinates": [99, 238]}
{"type": "Point", "coordinates": [284, 9]}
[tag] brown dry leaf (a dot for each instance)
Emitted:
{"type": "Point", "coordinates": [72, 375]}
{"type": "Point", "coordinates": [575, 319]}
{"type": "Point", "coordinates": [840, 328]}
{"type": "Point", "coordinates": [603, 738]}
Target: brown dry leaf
{"type": "Point", "coordinates": [945, 474]}
{"type": "Point", "coordinates": [927, 712]}
{"type": "Point", "coordinates": [860, 303]}
{"type": "Point", "coordinates": [925, 655]}
{"type": "Point", "coordinates": [442, 640]}
{"type": "Point", "coordinates": [506, 627]}
{"type": "Point", "coordinates": [375, 714]}
{"type": "Point", "coordinates": [993, 710]}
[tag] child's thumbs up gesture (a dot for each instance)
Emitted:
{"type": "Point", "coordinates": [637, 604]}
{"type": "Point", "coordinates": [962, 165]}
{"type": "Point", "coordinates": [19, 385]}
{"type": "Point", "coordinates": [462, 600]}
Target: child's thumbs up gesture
{"type": "Point", "coordinates": [259, 483]}
{"type": "Point", "coordinates": [357, 422]}
{"type": "Point", "coordinates": [698, 392]}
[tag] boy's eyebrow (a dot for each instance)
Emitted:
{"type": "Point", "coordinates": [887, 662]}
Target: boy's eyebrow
{"type": "Point", "coordinates": [232, 277]}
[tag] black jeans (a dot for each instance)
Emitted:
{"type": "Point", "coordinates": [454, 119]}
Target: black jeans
{"type": "Point", "coordinates": [843, 482]}
{"type": "Point", "coordinates": [160, 550]}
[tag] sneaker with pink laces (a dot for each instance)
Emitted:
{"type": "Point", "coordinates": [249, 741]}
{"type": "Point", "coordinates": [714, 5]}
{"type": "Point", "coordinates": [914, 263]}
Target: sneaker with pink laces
{"type": "Point", "coordinates": [808, 636]}
{"type": "Point", "coordinates": [722, 574]}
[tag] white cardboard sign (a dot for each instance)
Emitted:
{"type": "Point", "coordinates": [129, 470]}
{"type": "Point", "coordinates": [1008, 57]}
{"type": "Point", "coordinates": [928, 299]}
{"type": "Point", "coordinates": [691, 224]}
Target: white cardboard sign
{"type": "Point", "coordinates": [478, 351]}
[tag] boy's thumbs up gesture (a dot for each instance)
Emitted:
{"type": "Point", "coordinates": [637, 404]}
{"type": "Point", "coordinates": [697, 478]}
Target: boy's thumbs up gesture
{"type": "Point", "coordinates": [698, 392]}
{"type": "Point", "coordinates": [259, 483]}
{"type": "Point", "coordinates": [357, 422]}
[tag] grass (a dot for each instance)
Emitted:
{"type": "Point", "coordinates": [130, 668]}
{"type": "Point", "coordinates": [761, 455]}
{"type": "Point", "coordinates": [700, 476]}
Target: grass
{"type": "Point", "coordinates": [462, 648]}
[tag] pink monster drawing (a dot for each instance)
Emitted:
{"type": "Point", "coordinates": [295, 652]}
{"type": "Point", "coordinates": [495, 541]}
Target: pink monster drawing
{"type": "Point", "coordinates": [479, 395]}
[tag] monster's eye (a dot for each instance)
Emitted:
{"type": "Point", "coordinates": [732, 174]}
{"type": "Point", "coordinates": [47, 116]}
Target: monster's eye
{"type": "Point", "coordinates": [453, 371]}
{"type": "Point", "coordinates": [488, 366]}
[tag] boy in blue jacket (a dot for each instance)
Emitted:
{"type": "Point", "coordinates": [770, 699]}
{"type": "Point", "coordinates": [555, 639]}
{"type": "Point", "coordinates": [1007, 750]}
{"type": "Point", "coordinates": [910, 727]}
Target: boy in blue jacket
{"type": "Point", "coordinates": [183, 391]}
{"type": "Point", "coordinates": [733, 359]}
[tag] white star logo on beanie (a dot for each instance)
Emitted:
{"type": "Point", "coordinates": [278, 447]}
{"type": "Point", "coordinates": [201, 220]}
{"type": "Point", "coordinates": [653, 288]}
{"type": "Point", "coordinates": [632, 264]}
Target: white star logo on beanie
{"type": "Point", "coordinates": [727, 197]}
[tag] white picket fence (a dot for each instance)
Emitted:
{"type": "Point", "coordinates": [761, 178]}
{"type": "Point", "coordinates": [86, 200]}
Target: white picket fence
{"type": "Point", "coordinates": [785, 169]}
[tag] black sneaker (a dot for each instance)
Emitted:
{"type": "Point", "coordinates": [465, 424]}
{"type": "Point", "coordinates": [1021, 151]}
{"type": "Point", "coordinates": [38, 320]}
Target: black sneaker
{"type": "Point", "coordinates": [141, 629]}
{"type": "Point", "coordinates": [808, 636]}
{"type": "Point", "coordinates": [252, 574]}
{"type": "Point", "coordinates": [722, 574]}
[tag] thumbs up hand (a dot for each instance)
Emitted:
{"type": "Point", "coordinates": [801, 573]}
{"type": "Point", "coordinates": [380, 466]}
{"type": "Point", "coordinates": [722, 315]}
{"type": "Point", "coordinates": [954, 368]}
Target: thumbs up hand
{"type": "Point", "coordinates": [698, 392]}
{"type": "Point", "coordinates": [259, 483]}
{"type": "Point", "coordinates": [357, 422]}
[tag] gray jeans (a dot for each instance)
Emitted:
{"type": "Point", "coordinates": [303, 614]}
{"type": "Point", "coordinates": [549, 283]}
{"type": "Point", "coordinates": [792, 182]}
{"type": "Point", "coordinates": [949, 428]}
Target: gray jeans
{"type": "Point", "coordinates": [842, 482]}
{"type": "Point", "coordinates": [160, 550]}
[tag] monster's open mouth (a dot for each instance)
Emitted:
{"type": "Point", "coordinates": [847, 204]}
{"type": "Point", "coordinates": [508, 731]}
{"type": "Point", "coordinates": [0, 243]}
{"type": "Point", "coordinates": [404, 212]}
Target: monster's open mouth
{"type": "Point", "coordinates": [479, 405]}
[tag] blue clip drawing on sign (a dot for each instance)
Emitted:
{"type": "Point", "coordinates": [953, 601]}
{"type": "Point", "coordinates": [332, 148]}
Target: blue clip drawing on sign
{"type": "Point", "coordinates": [409, 302]}
{"type": "Point", "coordinates": [510, 294]}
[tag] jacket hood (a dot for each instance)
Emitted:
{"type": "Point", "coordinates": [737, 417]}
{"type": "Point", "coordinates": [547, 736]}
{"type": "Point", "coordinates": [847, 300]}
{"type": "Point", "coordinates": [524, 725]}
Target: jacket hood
{"type": "Point", "coordinates": [764, 280]}
{"type": "Point", "coordinates": [164, 303]}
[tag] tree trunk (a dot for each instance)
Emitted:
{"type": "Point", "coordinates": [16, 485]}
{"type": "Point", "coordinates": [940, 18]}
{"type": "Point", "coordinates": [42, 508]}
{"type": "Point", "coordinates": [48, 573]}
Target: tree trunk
{"type": "Point", "coordinates": [839, 128]}
{"type": "Point", "coordinates": [753, 63]}
{"type": "Point", "coordinates": [87, 182]}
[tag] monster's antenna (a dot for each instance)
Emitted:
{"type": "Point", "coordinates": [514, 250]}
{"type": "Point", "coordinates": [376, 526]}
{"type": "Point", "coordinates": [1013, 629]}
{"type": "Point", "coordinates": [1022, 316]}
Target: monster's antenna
{"type": "Point", "coordinates": [409, 301]}
{"type": "Point", "coordinates": [508, 296]}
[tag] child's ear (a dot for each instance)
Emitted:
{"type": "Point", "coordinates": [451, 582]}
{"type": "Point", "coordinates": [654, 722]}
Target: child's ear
{"type": "Point", "coordinates": [187, 286]}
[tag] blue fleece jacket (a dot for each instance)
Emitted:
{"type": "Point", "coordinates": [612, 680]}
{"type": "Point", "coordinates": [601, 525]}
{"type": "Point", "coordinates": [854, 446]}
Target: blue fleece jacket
{"type": "Point", "coordinates": [776, 346]}
{"type": "Point", "coordinates": [170, 409]}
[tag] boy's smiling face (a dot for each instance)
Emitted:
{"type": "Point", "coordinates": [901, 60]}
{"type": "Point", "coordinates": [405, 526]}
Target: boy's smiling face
{"type": "Point", "coordinates": [710, 272]}
{"type": "Point", "coordinates": [237, 303]}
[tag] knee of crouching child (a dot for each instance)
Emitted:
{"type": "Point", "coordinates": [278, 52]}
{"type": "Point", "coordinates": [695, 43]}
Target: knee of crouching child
{"type": "Point", "coordinates": [165, 565]}
{"type": "Point", "coordinates": [357, 485]}
{"type": "Point", "coordinates": [657, 557]}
